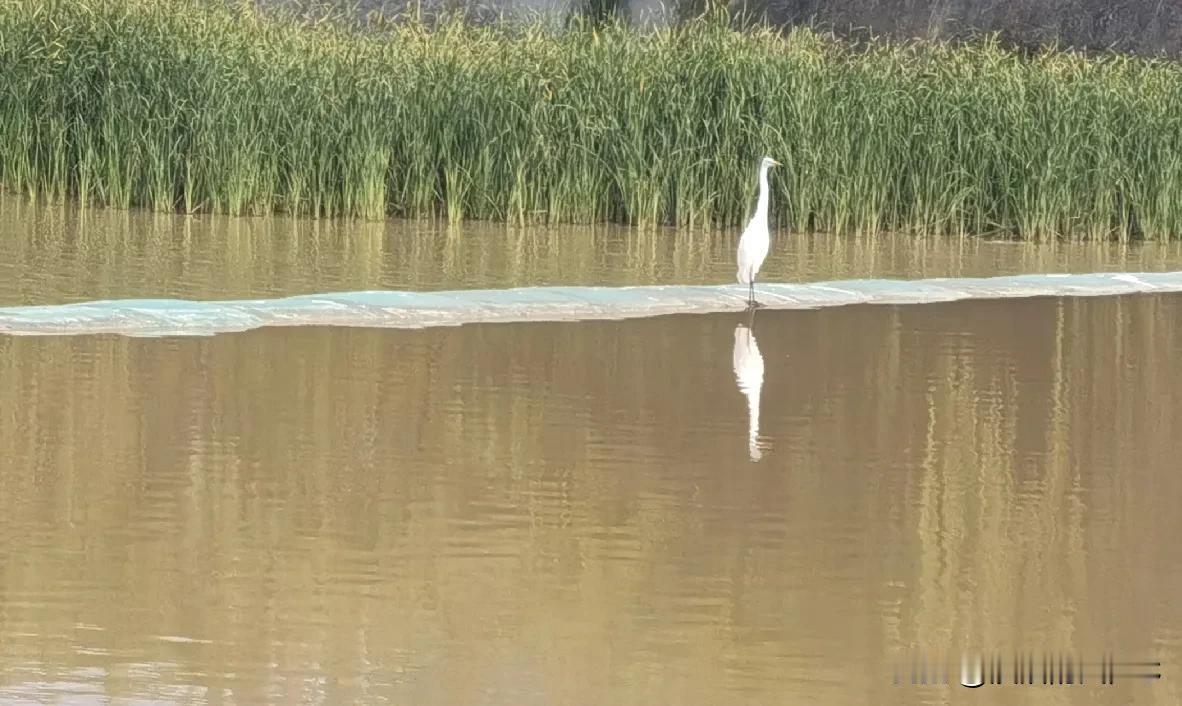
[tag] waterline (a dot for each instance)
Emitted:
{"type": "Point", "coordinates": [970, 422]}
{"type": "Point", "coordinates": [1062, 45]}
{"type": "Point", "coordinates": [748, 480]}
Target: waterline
{"type": "Point", "coordinates": [408, 309]}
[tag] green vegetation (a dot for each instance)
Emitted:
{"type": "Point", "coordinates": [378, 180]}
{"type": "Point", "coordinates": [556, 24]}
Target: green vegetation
{"type": "Point", "coordinates": [183, 105]}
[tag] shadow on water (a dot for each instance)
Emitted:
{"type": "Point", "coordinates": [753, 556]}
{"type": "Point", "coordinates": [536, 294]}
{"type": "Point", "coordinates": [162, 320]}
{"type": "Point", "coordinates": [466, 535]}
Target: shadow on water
{"type": "Point", "coordinates": [748, 366]}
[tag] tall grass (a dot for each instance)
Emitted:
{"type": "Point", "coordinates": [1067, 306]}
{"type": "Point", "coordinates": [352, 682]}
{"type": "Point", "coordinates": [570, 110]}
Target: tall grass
{"type": "Point", "coordinates": [172, 104]}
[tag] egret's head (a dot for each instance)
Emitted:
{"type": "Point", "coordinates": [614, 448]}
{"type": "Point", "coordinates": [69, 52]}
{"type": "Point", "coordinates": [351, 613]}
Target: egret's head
{"type": "Point", "coordinates": [768, 162]}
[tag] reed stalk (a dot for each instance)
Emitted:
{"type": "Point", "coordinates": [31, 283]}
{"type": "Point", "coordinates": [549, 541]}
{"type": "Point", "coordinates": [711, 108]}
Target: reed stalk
{"type": "Point", "coordinates": [196, 106]}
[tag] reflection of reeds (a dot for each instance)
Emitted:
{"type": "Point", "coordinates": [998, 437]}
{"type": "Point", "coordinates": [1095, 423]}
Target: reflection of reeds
{"type": "Point", "coordinates": [1038, 480]}
{"type": "Point", "coordinates": [316, 500]}
{"type": "Point", "coordinates": [200, 106]}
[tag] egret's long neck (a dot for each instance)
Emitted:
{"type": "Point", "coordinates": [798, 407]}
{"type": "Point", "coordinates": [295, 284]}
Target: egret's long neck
{"type": "Point", "coordinates": [761, 205]}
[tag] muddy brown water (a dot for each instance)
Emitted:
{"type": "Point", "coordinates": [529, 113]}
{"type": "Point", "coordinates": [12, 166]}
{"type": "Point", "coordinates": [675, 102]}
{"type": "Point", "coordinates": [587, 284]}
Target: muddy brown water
{"type": "Point", "coordinates": [570, 513]}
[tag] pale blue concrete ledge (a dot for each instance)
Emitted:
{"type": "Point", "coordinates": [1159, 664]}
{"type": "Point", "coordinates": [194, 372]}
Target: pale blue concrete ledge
{"type": "Point", "coordinates": [394, 309]}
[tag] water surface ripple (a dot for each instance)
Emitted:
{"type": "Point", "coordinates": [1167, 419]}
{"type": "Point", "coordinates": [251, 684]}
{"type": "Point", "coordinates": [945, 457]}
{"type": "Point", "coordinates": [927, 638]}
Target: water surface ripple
{"type": "Point", "coordinates": [718, 509]}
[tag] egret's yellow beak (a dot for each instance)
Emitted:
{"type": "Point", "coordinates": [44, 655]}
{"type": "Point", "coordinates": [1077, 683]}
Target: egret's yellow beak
{"type": "Point", "coordinates": [776, 164]}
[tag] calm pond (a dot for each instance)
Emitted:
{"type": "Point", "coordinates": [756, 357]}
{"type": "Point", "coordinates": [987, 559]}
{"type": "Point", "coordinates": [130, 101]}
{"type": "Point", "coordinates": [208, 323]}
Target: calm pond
{"type": "Point", "coordinates": [570, 513]}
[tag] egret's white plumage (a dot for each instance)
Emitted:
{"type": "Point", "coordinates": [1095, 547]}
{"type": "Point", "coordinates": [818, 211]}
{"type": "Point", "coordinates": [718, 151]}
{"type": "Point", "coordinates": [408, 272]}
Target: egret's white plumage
{"type": "Point", "coordinates": [754, 243]}
{"type": "Point", "coordinates": [748, 364]}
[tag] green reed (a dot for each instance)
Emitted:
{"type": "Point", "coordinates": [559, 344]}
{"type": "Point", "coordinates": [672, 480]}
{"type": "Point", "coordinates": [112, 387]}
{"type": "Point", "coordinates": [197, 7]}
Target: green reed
{"type": "Point", "coordinates": [195, 106]}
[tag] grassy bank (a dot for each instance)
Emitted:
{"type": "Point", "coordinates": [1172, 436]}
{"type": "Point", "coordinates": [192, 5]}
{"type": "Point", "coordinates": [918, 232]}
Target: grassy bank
{"type": "Point", "coordinates": [172, 105]}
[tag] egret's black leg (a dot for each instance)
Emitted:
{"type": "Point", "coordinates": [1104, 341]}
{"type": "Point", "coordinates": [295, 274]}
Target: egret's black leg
{"type": "Point", "coordinates": [751, 303]}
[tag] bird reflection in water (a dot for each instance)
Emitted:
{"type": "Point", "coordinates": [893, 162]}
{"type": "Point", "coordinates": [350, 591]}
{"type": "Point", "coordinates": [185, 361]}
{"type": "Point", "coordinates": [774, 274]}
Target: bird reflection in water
{"type": "Point", "coordinates": [748, 363]}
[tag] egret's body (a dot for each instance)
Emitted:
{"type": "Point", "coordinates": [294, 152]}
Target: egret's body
{"type": "Point", "coordinates": [755, 241]}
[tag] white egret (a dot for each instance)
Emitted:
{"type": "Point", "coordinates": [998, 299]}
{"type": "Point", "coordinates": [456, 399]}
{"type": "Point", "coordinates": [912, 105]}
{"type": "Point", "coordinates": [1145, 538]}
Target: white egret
{"type": "Point", "coordinates": [748, 365]}
{"type": "Point", "coordinates": [753, 244]}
